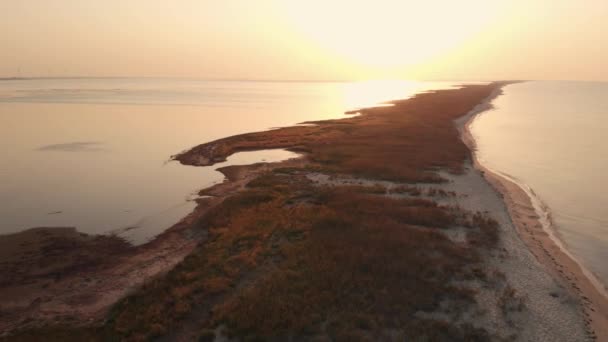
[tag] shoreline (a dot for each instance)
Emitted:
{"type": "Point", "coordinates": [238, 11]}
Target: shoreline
{"type": "Point", "coordinates": [76, 293]}
{"type": "Point", "coordinates": [548, 249]}
{"type": "Point", "coordinates": [62, 276]}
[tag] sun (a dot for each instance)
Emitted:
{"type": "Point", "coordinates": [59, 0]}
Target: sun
{"type": "Point", "coordinates": [385, 33]}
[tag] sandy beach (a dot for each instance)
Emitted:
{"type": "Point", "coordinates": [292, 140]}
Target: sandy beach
{"type": "Point", "coordinates": [543, 243]}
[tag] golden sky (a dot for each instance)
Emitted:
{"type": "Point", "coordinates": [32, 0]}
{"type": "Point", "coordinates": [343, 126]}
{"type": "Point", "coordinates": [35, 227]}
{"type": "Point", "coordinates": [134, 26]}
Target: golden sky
{"type": "Point", "coordinates": [313, 39]}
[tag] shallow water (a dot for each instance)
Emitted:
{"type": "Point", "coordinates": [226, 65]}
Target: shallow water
{"type": "Point", "coordinates": [92, 153]}
{"type": "Point", "coordinates": [551, 136]}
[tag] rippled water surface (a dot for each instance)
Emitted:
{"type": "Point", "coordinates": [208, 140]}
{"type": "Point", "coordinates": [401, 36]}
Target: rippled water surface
{"type": "Point", "coordinates": [552, 137]}
{"type": "Point", "coordinates": [92, 153]}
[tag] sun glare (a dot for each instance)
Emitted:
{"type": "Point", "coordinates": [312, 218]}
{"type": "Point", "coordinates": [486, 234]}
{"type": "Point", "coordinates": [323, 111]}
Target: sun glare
{"type": "Point", "coordinates": [374, 93]}
{"type": "Point", "coordinates": [385, 33]}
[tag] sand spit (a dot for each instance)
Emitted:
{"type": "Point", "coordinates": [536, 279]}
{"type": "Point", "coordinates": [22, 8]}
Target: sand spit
{"type": "Point", "coordinates": [406, 151]}
{"type": "Point", "coordinates": [518, 298]}
{"type": "Point", "coordinates": [548, 251]}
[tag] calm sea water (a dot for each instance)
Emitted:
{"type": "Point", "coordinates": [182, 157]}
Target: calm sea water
{"type": "Point", "coordinates": [551, 136]}
{"type": "Point", "coordinates": [92, 153]}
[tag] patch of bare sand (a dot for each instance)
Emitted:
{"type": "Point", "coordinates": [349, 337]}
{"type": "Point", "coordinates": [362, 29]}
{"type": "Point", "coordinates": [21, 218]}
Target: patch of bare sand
{"type": "Point", "coordinates": [518, 299]}
{"type": "Point", "coordinates": [548, 312]}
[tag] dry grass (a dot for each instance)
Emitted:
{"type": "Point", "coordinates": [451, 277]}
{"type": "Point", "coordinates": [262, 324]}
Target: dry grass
{"type": "Point", "coordinates": [366, 267]}
{"type": "Point", "coordinates": [357, 261]}
{"type": "Point", "coordinates": [406, 189]}
{"type": "Point", "coordinates": [45, 254]}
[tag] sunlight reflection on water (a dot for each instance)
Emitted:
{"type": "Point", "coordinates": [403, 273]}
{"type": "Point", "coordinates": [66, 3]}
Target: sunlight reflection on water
{"type": "Point", "coordinates": [51, 127]}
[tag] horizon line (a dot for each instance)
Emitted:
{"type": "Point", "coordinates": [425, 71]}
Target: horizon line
{"type": "Point", "coordinates": [236, 79]}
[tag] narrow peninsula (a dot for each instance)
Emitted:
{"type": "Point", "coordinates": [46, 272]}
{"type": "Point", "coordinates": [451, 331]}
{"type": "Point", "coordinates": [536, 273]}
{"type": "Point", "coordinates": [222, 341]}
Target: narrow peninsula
{"type": "Point", "coordinates": [382, 230]}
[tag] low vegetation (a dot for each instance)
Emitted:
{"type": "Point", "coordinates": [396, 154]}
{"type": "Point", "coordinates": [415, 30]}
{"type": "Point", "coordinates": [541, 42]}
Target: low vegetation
{"type": "Point", "coordinates": [287, 259]}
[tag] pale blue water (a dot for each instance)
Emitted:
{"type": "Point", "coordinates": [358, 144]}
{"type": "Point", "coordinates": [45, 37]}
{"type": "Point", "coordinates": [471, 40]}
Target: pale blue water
{"type": "Point", "coordinates": [551, 136]}
{"type": "Point", "coordinates": [92, 153]}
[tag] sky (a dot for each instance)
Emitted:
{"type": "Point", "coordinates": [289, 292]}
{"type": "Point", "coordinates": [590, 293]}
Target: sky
{"type": "Point", "coordinates": [306, 40]}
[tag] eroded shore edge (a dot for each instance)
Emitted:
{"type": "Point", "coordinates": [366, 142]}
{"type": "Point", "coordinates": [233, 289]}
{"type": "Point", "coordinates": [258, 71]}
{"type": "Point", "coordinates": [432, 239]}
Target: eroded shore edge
{"type": "Point", "coordinates": [541, 241]}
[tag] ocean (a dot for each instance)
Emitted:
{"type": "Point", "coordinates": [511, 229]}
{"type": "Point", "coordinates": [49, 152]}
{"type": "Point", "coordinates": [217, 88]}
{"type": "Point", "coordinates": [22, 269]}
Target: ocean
{"type": "Point", "coordinates": [94, 153]}
{"type": "Point", "coordinates": [550, 137]}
